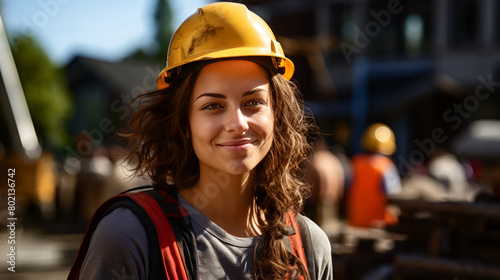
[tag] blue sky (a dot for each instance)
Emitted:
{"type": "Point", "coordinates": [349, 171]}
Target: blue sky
{"type": "Point", "coordinates": [105, 29]}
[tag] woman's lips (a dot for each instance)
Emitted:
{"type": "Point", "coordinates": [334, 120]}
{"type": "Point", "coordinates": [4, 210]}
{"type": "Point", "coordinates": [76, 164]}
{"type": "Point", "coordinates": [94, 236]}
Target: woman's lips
{"type": "Point", "coordinates": [237, 146]}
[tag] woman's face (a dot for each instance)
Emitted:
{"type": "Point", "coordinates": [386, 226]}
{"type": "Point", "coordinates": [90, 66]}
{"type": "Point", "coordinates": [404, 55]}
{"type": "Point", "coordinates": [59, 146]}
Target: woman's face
{"type": "Point", "coordinates": [230, 116]}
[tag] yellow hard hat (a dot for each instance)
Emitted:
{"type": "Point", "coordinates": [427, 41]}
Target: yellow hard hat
{"type": "Point", "coordinates": [379, 138]}
{"type": "Point", "coordinates": [222, 30]}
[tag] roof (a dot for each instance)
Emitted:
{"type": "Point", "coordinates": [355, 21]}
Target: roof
{"type": "Point", "coordinates": [117, 77]}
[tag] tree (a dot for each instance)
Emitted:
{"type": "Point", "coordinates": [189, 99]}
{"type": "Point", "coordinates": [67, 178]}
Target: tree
{"type": "Point", "coordinates": [45, 89]}
{"type": "Point", "coordinates": [164, 31]}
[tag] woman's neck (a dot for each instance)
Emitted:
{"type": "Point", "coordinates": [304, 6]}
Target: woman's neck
{"type": "Point", "coordinates": [227, 200]}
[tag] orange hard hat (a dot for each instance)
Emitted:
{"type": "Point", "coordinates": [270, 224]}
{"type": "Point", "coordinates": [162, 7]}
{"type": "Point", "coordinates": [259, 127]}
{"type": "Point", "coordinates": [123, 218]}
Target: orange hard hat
{"type": "Point", "coordinates": [379, 138]}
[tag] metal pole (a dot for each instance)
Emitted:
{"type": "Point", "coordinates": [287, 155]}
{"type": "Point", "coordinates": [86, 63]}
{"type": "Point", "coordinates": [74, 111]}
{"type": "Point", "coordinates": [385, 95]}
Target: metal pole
{"type": "Point", "coordinates": [16, 109]}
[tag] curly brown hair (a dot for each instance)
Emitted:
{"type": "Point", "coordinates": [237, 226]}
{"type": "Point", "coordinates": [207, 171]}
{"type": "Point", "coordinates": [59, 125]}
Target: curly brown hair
{"type": "Point", "coordinates": [159, 145]}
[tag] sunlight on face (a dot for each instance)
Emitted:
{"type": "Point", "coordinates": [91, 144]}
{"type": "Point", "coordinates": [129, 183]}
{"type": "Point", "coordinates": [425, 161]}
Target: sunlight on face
{"type": "Point", "coordinates": [230, 116]}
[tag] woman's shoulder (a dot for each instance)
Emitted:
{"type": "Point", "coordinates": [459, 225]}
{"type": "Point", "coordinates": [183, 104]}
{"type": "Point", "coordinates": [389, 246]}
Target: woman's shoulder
{"type": "Point", "coordinates": [118, 243]}
{"type": "Point", "coordinates": [121, 230]}
{"type": "Point", "coordinates": [121, 223]}
{"type": "Point", "coordinates": [320, 247]}
{"type": "Point", "coordinates": [318, 236]}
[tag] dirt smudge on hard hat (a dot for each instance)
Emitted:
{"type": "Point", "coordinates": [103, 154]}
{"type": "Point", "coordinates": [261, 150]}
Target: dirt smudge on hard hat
{"type": "Point", "coordinates": [208, 31]}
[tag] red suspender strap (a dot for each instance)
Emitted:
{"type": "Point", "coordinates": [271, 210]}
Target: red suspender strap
{"type": "Point", "coordinates": [296, 240]}
{"type": "Point", "coordinates": [171, 254]}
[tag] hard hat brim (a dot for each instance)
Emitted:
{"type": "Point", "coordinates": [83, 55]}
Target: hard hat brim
{"type": "Point", "coordinates": [240, 52]}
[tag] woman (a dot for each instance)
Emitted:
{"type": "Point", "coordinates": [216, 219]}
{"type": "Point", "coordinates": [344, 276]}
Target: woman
{"type": "Point", "coordinates": [226, 131]}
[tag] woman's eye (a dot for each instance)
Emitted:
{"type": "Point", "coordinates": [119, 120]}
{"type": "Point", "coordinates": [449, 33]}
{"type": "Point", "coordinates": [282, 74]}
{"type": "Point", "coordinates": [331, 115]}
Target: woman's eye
{"type": "Point", "coordinates": [255, 102]}
{"type": "Point", "coordinates": [212, 106]}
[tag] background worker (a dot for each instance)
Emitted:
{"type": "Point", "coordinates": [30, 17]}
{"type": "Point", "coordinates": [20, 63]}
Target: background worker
{"type": "Point", "coordinates": [374, 178]}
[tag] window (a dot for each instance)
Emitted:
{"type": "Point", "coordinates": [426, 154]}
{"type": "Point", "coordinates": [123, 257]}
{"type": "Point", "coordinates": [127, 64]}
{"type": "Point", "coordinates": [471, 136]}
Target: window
{"type": "Point", "coordinates": [299, 24]}
{"type": "Point", "coordinates": [413, 34]}
{"type": "Point", "coordinates": [464, 23]}
{"type": "Point", "coordinates": [399, 29]}
{"type": "Point", "coordinates": [341, 25]}
{"type": "Point", "coordinates": [496, 20]}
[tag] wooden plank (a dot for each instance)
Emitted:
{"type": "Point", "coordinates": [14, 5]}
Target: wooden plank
{"type": "Point", "coordinates": [406, 263]}
{"type": "Point", "coordinates": [469, 209]}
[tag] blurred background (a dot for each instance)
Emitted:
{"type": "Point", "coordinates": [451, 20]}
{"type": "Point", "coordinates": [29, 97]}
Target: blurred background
{"type": "Point", "coordinates": [427, 72]}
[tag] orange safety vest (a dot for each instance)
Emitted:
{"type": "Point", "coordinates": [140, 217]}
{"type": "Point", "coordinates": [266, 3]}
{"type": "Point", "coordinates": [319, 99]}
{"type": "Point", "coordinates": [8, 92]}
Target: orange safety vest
{"type": "Point", "coordinates": [366, 201]}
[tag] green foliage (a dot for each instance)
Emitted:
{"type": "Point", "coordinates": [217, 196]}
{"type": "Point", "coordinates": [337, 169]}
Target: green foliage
{"type": "Point", "coordinates": [163, 33]}
{"type": "Point", "coordinates": [164, 30]}
{"type": "Point", "coordinates": [45, 89]}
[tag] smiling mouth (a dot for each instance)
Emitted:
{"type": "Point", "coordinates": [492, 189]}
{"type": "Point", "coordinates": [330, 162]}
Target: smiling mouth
{"type": "Point", "coordinates": [237, 146]}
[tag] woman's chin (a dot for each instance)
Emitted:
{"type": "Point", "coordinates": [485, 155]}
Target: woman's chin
{"type": "Point", "coordinates": [240, 167]}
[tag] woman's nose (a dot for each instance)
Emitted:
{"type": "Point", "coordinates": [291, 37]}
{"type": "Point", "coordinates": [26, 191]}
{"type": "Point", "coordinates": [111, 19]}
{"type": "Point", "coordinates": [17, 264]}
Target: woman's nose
{"type": "Point", "coordinates": [236, 121]}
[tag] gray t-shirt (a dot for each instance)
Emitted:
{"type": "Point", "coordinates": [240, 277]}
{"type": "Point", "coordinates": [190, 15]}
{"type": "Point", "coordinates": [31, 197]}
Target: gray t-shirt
{"type": "Point", "coordinates": [119, 250]}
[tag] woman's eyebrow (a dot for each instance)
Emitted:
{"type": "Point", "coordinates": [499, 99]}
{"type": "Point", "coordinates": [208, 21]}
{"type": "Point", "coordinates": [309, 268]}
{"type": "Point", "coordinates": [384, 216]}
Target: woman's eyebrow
{"type": "Point", "coordinates": [252, 91]}
{"type": "Point", "coordinates": [214, 95]}
{"type": "Point", "coordinates": [222, 96]}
